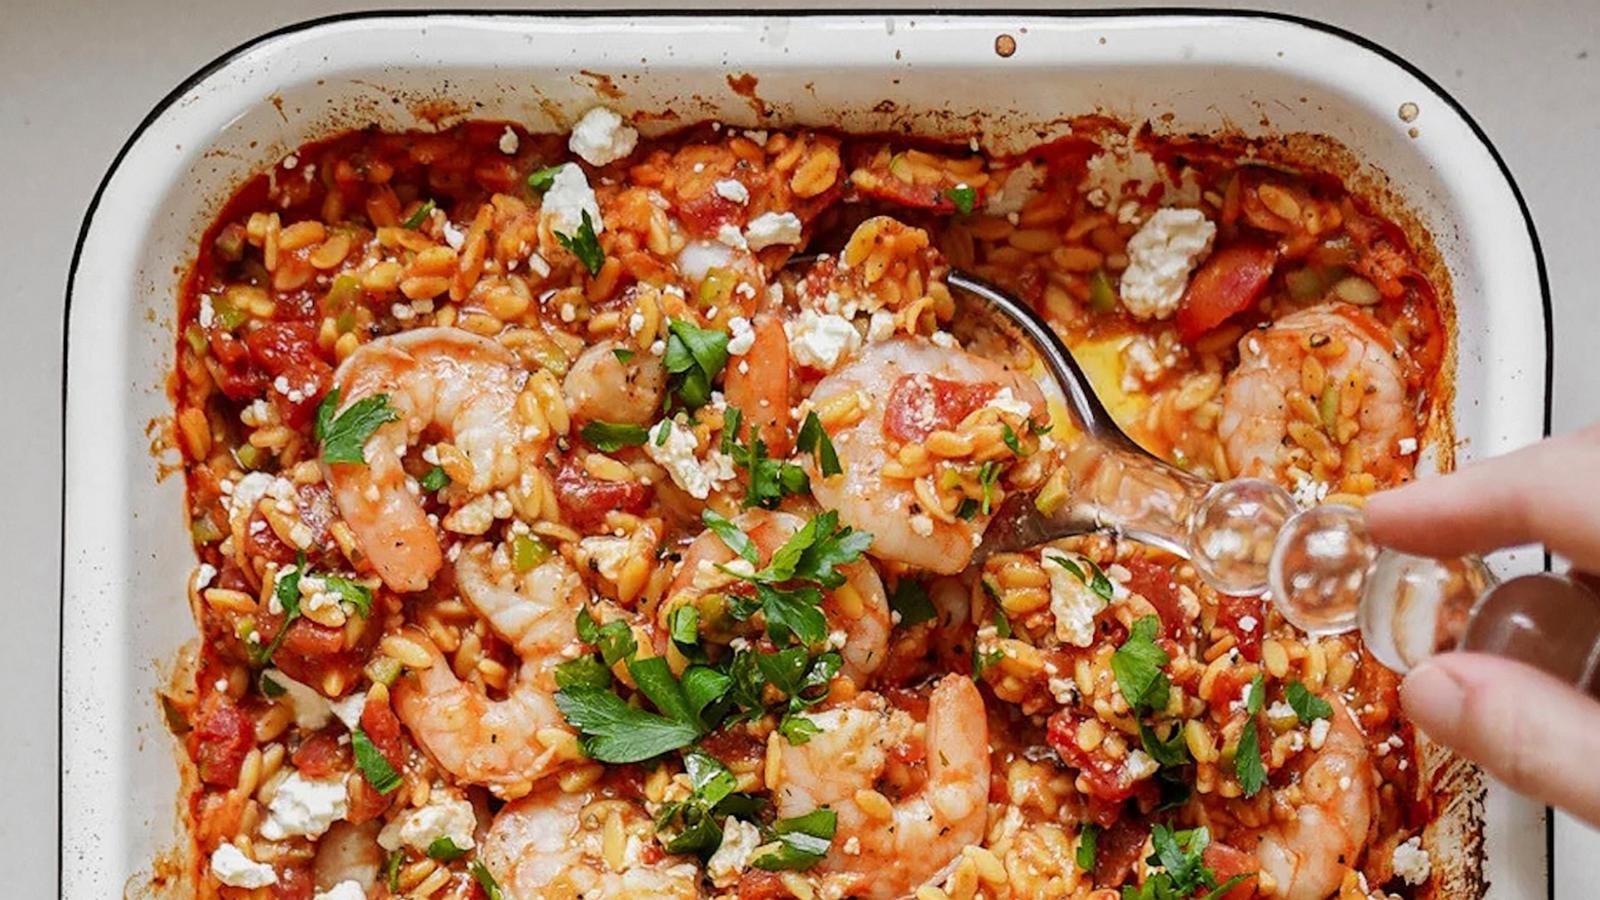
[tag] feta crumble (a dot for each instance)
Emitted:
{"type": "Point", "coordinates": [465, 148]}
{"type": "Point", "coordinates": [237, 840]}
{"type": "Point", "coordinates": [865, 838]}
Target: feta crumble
{"type": "Point", "coordinates": [732, 191]}
{"type": "Point", "coordinates": [451, 818]}
{"type": "Point", "coordinates": [234, 869]}
{"type": "Point", "coordinates": [311, 709]}
{"type": "Point", "coordinates": [601, 137]}
{"type": "Point", "coordinates": [676, 454]}
{"type": "Point", "coordinates": [1020, 185]}
{"type": "Point", "coordinates": [822, 341]}
{"type": "Point", "coordinates": [1072, 603]}
{"type": "Point", "coordinates": [739, 841]}
{"type": "Point", "coordinates": [1406, 446]}
{"type": "Point", "coordinates": [303, 807]}
{"type": "Point", "coordinates": [1160, 257]}
{"type": "Point", "coordinates": [1139, 766]}
{"type": "Point", "coordinates": [773, 228]}
{"type": "Point", "coordinates": [729, 234]}
{"type": "Point", "coordinates": [568, 198]}
{"type": "Point", "coordinates": [1411, 862]}
{"type": "Point", "coordinates": [344, 890]}
{"type": "Point", "coordinates": [509, 142]}
{"type": "Point", "coordinates": [741, 337]}
{"type": "Point", "coordinates": [1319, 733]}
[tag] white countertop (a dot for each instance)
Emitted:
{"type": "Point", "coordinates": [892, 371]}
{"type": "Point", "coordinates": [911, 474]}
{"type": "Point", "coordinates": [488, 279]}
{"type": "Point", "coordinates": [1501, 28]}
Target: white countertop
{"type": "Point", "coordinates": [78, 76]}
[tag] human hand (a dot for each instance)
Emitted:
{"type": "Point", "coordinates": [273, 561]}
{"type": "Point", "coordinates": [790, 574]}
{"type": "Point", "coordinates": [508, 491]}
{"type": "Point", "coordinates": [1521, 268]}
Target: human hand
{"type": "Point", "coordinates": [1534, 732]}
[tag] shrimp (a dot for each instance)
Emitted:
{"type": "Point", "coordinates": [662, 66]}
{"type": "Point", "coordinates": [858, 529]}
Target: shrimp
{"type": "Point", "coordinates": [435, 378]}
{"type": "Point", "coordinates": [912, 387]}
{"type": "Point", "coordinates": [1307, 855]}
{"type": "Point", "coordinates": [555, 844]}
{"type": "Point", "coordinates": [929, 825]}
{"type": "Point", "coordinates": [859, 608]}
{"type": "Point", "coordinates": [600, 386]}
{"type": "Point", "coordinates": [1364, 378]}
{"type": "Point", "coordinates": [348, 853]}
{"type": "Point", "coordinates": [757, 384]}
{"type": "Point", "coordinates": [504, 744]}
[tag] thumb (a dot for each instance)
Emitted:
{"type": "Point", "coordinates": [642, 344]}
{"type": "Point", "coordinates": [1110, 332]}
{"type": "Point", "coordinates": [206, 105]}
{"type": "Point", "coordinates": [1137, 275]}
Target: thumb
{"type": "Point", "coordinates": [1537, 734]}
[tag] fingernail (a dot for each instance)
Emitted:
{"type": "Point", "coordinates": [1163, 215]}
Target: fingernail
{"type": "Point", "coordinates": [1432, 697]}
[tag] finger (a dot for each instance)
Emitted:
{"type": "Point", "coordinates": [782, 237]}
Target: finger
{"type": "Point", "coordinates": [1540, 494]}
{"type": "Point", "coordinates": [1537, 734]}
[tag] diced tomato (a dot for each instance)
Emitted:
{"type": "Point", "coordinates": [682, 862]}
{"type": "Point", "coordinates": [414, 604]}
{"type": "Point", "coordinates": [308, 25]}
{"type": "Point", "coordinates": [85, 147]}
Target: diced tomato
{"type": "Point", "coordinates": [294, 883]}
{"type": "Point", "coordinates": [1154, 582]}
{"type": "Point", "coordinates": [221, 739]}
{"type": "Point", "coordinates": [239, 380]}
{"type": "Point", "coordinates": [382, 727]}
{"type": "Point", "coordinates": [586, 500]}
{"type": "Point", "coordinates": [1106, 778]}
{"type": "Point", "coordinates": [321, 755]}
{"type": "Point", "coordinates": [1118, 849]}
{"type": "Point", "coordinates": [757, 884]}
{"type": "Point", "coordinates": [311, 651]}
{"type": "Point", "coordinates": [919, 405]}
{"type": "Point", "coordinates": [702, 215]}
{"type": "Point", "coordinates": [289, 351]}
{"type": "Point", "coordinates": [1226, 862]}
{"type": "Point", "coordinates": [1234, 613]}
{"type": "Point", "coordinates": [1226, 284]}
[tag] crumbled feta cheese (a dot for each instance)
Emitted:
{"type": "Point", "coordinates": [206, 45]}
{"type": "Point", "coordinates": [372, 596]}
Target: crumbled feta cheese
{"type": "Point", "coordinates": [453, 236]}
{"type": "Point", "coordinates": [1139, 766]}
{"type": "Point", "coordinates": [1319, 733]}
{"type": "Point", "coordinates": [822, 341]}
{"type": "Point", "coordinates": [1141, 365]}
{"type": "Point", "coordinates": [1308, 491]}
{"type": "Point", "coordinates": [1072, 603]}
{"type": "Point", "coordinates": [208, 313]}
{"type": "Point", "coordinates": [881, 326]}
{"type": "Point", "coordinates": [311, 709]}
{"type": "Point", "coordinates": [943, 339]}
{"type": "Point", "coordinates": [677, 455]}
{"type": "Point", "coordinates": [568, 198]}
{"type": "Point", "coordinates": [739, 841]}
{"type": "Point", "coordinates": [1020, 185]}
{"type": "Point", "coordinates": [741, 337]}
{"type": "Point", "coordinates": [922, 524]}
{"type": "Point", "coordinates": [601, 137]}
{"type": "Point", "coordinates": [509, 142]}
{"type": "Point", "coordinates": [1064, 690]}
{"type": "Point", "coordinates": [732, 191]}
{"type": "Point", "coordinates": [538, 266]}
{"type": "Point", "coordinates": [1160, 257]}
{"type": "Point", "coordinates": [606, 554]}
{"type": "Point", "coordinates": [247, 493]}
{"type": "Point", "coordinates": [729, 234]}
{"type": "Point", "coordinates": [449, 818]}
{"type": "Point", "coordinates": [304, 807]}
{"type": "Point", "coordinates": [1247, 624]}
{"type": "Point", "coordinates": [290, 161]}
{"type": "Point", "coordinates": [1007, 402]}
{"type": "Point", "coordinates": [349, 709]}
{"type": "Point", "coordinates": [772, 228]}
{"type": "Point", "coordinates": [1411, 862]}
{"type": "Point", "coordinates": [1280, 711]}
{"type": "Point", "coordinates": [234, 869]}
{"type": "Point", "coordinates": [1407, 446]}
{"type": "Point", "coordinates": [203, 574]}
{"type": "Point", "coordinates": [344, 890]}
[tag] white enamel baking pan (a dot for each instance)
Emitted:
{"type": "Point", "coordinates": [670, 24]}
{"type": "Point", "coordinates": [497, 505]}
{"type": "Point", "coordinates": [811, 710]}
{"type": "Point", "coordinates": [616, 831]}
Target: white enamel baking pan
{"type": "Point", "coordinates": [126, 552]}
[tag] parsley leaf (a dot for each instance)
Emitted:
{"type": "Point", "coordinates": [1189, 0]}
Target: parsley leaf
{"type": "Point", "coordinates": [1010, 438]}
{"type": "Point", "coordinates": [342, 436]}
{"type": "Point", "coordinates": [374, 767]}
{"type": "Point", "coordinates": [703, 686]}
{"type": "Point", "coordinates": [1137, 665]}
{"type": "Point", "coordinates": [797, 730]}
{"type": "Point", "coordinates": [608, 437]}
{"type": "Point", "coordinates": [793, 612]}
{"type": "Point", "coordinates": [962, 198]}
{"type": "Point", "coordinates": [445, 850]}
{"type": "Point", "coordinates": [1169, 753]}
{"type": "Point", "coordinates": [988, 476]}
{"type": "Point", "coordinates": [803, 842]}
{"type": "Point", "coordinates": [655, 680]}
{"type": "Point", "coordinates": [1258, 694]}
{"type": "Point", "coordinates": [622, 355]}
{"type": "Point", "coordinates": [813, 438]}
{"type": "Point", "coordinates": [287, 591]}
{"type": "Point", "coordinates": [1308, 707]}
{"type": "Point", "coordinates": [737, 541]}
{"type": "Point", "coordinates": [770, 479]}
{"type": "Point", "coordinates": [1247, 762]}
{"type": "Point", "coordinates": [692, 822]}
{"type": "Point", "coordinates": [615, 732]}
{"type": "Point", "coordinates": [480, 874]}
{"type": "Point", "coordinates": [351, 592]}
{"type": "Point", "coordinates": [911, 601]}
{"type": "Point", "coordinates": [1088, 845]}
{"type": "Point", "coordinates": [585, 671]}
{"type": "Point", "coordinates": [1094, 578]}
{"type": "Point", "coordinates": [421, 215]}
{"type": "Point", "coordinates": [435, 479]}
{"type": "Point", "coordinates": [694, 357]}
{"type": "Point", "coordinates": [585, 245]}
{"type": "Point", "coordinates": [814, 552]}
{"type": "Point", "coordinates": [540, 180]}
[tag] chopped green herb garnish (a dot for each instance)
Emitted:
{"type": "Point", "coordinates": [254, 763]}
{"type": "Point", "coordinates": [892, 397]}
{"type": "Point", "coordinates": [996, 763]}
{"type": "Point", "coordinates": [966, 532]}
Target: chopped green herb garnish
{"type": "Point", "coordinates": [692, 823]}
{"type": "Point", "coordinates": [1248, 765]}
{"type": "Point", "coordinates": [287, 592]}
{"type": "Point", "coordinates": [585, 245]}
{"type": "Point", "coordinates": [694, 357]}
{"type": "Point", "coordinates": [988, 475]}
{"type": "Point", "coordinates": [737, 541]}
{"type": "Point", "coordinates": [391, 871]}
{"type": "Point", "coordinates": [344, 435]}
{"type": "Point", "coordinates": [480, 873]}
{"type": "Point", "coordinates": [1137, 665]}
{"type": "Point", "coordinates": [966, 509]}
{"type": "Point", "coordinates": [911, 601]}
{"type": "Point", "coordinates": [797, 730]}
{"type": "Point", "coordinates": [445, 850]}
{"type": "Point", "coordinates": [609, 437]}
{"type": "Point", "coordinates": [1258, 694]}
{"type": "Point", "coordinates": [271, 689]}
{"type": "Point", "coordinates": [1169, 753]}
{"type": "Point", "coordinates": [615, 732]}
{"type": "Point", "coordinates": [1010, 438]}
{"type": "Point", "coordinates": [623, 356]}
{"type": "Point", "coordinates": [421, 215]}
{"type": "Point", "coordinates": [1088, 844]}
{"type": "Point", "coordinates": [804, 841]}
{"type": "Point", "coordinates": [374, 767]}
{"type": "Point", "coordinates": [540, 180]}
{"type": "Point", "coordinates": [962, 198]}
{"type": "Point", "coordinates": [434, 479]}
{"type": "Point", "coordinates": [352, 592]}
{"type": "Point", "coordinates": [1308, 707]}
{"type": "Point", "coordinates": [770, 479]}
{"type": "Point", "coordinates": [585, 671]}
{"type": "Point", "coordinates": [1094, 578]}
{"type": "Point", "coordinates": [813, 438]}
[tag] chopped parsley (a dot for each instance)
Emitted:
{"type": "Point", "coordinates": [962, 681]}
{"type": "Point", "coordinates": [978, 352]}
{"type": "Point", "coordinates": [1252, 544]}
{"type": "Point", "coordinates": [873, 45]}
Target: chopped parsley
{"type": "Point", "coordinates": [1308, 707]}
{"type": "Point", "coordinates": [988, 475]}
{"type": "Point", "coordinates": [1010, 438]}
{"type": "Point", "coordinates": [1137, 665]}
{"type": "Point", "coordinates": [770, 479]}
{"type": "Point", "coordinates": [540, 180]}
{"type": "Point", "coordinates": [962, 197]}
{"type": "Point", "coordinates": [343, 436]}
{"type": "Point", "coordinates": [1248, 765]}
{"type": "Point", "coordinates": [814, 439]}
{"type": "Point", "coordinates": [1094, 578]}
{"type": "Point", "coordinates": [585, 245]}
{"type": "Point", "coordinates": [803, 842]}
{"type": "Point", "coordinates": [434, 479]}
{"type": "Point", "coordinates": [623, 356]}
{"type": "Point", "coordinates": [443, 849]}
{"type": "Point", "coordinates": [374, 767]}
{"type": "Point", "coordinates": [694, 357]}
{"type": "Point", "coordinates": [421, 215]}
{"type": "Point", "coordinates": [615, 732]}
{"type": "Point", "coordinates": [1088, 845]}
{"type": "Point", "coordinates": [287, 592]}
{"type": "Point", "coordinates": [1181, 872]}
{"type": "Point", "coordinates": [609, 437]}
{"type": "Point", "coordinates": [691, 825]}
{"type": "Point", "coordinates": [1168, 753]}
{"type": "Point", "coordinates": [911, 601]}
{"type": "Point", "coordinates": [480, 874]}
